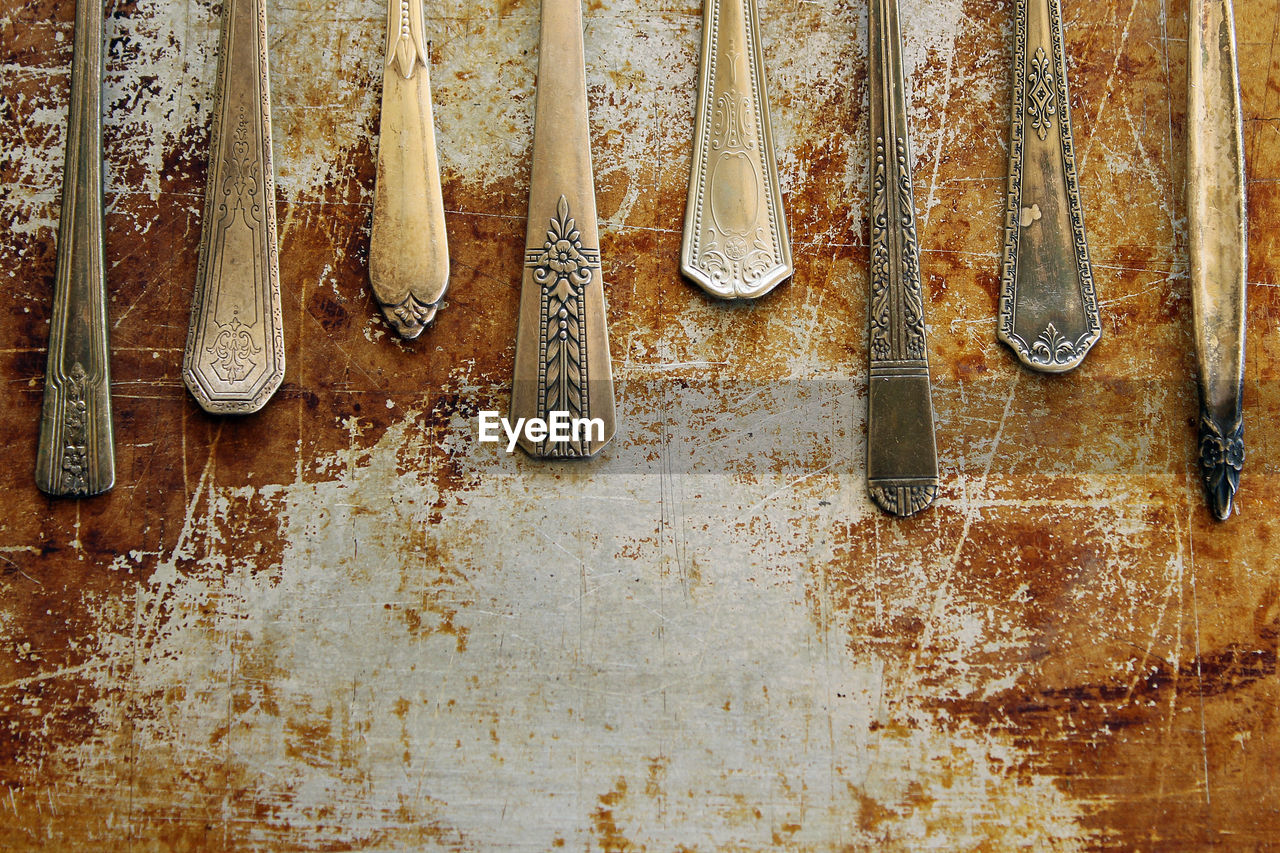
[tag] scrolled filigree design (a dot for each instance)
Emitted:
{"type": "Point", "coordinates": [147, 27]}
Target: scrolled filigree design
{"type": "Point", "coordinates": [233, 350]}
{"type": "Point", "coordinates": [1042, 104]}
{"type": "Point", "coordinates": [241, 186]}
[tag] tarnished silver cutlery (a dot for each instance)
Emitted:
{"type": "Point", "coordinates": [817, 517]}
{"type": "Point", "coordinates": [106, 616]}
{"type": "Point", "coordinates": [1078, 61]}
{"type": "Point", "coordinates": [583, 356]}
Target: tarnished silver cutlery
{"type": "Point", "coordinates": [1217, 229]}
{"type": "Point", "coordinates": [902, 459]}
{"type": "Point", "coordinates": [735, 232]}
{"type": "Point", "coordinates": [234, 359]}
{"type": "Point", "coordinates": [408, 248]}
{"type": "Point", "coordinates": [562, 364]}
{"type": "Point", "coordinates": [75, 455]}
{"type": "Point", "coordinates": [1048, 309]}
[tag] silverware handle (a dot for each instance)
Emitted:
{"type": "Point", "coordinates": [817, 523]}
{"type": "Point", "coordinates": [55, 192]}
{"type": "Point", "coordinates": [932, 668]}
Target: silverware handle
{"type": "Point", "coordinates": [234, 358]}
{"type": "Point", "coordinates": [902, 458]}
{"type": "Point", "coordinates": [408, 247]}
{"type": "Point", "coordinates": [75, 454]}
{"type": "Point", "coordinates": [562, 345]}
{"type": "Point", "coordinates": [1217, 243]}
{"type": "Point", "coordinates": [735, 242]}
{"type": "Point", "coordinates": [1048, 307]}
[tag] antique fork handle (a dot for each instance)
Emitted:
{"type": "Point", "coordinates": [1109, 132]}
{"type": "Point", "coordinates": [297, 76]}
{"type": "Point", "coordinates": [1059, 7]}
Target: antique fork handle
{"type": "Point", "coordinates": [1217, 246]}
{"type": "Point", "coordinates": [234, 359]}
{"type": "Point", "coordinates": [75, 454]}
{"type": "Point", "coordinates": [562, 341]}
{"type": "Point", "coordinates": [408, 248]}
{"type": "Point", "coordinates": [735, 242]}
{"type": "Point", "coordinates": [1048, 309]}
{"type": "Point", "coordinates": [902, 458]}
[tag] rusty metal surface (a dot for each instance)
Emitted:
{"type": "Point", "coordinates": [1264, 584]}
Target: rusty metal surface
{"type": "Point", "coordinates": [343, 624]}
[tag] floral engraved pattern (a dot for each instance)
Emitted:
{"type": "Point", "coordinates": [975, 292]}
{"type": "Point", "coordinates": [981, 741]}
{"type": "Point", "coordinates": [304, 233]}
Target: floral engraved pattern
{"type": "Point", "coordinates": [896, 318]}
{"type": "Point", "coordinates": [1221, 458]}
{"type": "Point", "coordinates": [1042, 105]}
{"type": "Point", "coordinates": [879, 316]}
{"type": "Point", "coordinates": [563, 268]}
{"type": "Point", "coordinates": [233, 351]}
{"type": "Point", "coordinates": [912, 296]}
{"type": "Point", "coordinates": [1051, 347]}
{"type": "Point", "coordinates": [75, 442]}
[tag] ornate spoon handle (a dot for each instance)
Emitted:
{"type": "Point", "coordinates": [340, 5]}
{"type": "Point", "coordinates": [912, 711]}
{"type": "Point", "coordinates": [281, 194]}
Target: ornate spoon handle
{"type": "Point", "coordinates": [1217, 226]}
{"type": "Point", "coordinates": [75, 455]}
{"type": "Point", "coordinates": [735, 233]}
{"type": "Point", "coordinates": [234, 359]}
{"type": "Point", "coordinates": [902, 460]}
{"type": "Point", "coordinates": [562, 346]}
{"type": "Point", "coordinates": [408, 249]}
{"type": "Point", "coordinates": [1048, 310]}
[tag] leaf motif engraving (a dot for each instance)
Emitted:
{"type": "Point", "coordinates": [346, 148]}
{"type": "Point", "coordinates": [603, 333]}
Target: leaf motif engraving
{"type": "Point", "coordinates": [563, 268]}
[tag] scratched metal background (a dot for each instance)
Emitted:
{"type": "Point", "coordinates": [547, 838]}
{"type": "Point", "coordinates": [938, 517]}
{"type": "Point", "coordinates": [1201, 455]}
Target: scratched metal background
{"type": "Point", "coordinates": [342, 624]}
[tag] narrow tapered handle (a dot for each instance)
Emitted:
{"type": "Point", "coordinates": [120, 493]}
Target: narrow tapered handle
{"type": "Point", "coordinates": [408, 248]}
{"type": "Point", "coordinates": [1048, 308]}
{"type": "Point", "coordinates": [735, 232]}
{"type": "Point", "coordinates": [75, 455]}
{"type": "Point", "coordinates": [562, 368]}
{"type": "Point", "coordinates": [234, 359]}
{"type": "Point", "coordinates": [1216, 222]}
{"type": "Point", "coordinates": [902, 458]}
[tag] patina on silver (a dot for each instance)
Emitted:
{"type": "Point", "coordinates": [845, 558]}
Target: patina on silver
{"type": "Point", "coordinates": [234, 359]}
{"type": "Point", "coordinates": [408, 249]}
{"type": "Point", "coordinates": [1217, 228]}
{"type": "Point", "coordinates": [76, 452]}
{"type": "Point", "coordinates": [562, 345]}
{"type": "Point", "coordinates": [735, 232]}
{"type": "Point", "coordinates": [902, 459]}
{"type": "Point", "coordinates": [1048, 309]}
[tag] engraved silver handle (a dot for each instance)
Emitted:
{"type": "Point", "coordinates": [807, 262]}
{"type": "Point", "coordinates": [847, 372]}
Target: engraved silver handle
{"type": "Point", "coordinates": [234, 359]}
{"type": "Point", "coordinates": [75, 454]}
{"type": "Point", "coordinates": [1048, 309]}
{"type": "Point", "coordinates": [735, 232]}
{"type": "Point", "coordinates": [1218, 246]}
{"type": "Point", "coordinates": [902, 458]}
{"type": "Point", "coordinates": [408, 248]}
{"type": "Point", "coordinates": [562, 345]}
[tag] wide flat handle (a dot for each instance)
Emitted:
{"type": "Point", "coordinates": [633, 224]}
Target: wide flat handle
{"type": "Point", "coordinates": [234, 359]}
{"type": "Point", "coordinates": [735, 242]}
{"type": "Point", "coordinates": [562, 368]}
{"type": "Point", "coordinates": [1217, 243]}
{"type": "Point", "coordinates": [902, 457]}
{"type": "Point", "coordinates": [408, 248]}
{"type": "Point", "coordinates": [75, 455]}
{"type": "Point", "coordinates": [1048, 308]}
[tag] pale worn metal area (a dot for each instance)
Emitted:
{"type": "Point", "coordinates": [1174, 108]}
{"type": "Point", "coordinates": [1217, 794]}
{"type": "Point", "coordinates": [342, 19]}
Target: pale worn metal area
{"type": "Point", "coordinates": [342, 624]}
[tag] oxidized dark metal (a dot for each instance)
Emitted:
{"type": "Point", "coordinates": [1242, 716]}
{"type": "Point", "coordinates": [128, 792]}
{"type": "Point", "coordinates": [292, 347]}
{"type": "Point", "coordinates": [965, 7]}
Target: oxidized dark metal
{"type": "Point", "coordinates": [735, 231]}
{"type": "Point", "coordinates": [902, 459]}
{"type": "Point", "coordinates": [562, 344]}
{"type": "Point", "coordinates": [408, 248]}
{"type": "Point", "coordinates": [1048, 309]}
{"type": "Point", "coordinates": [1217, 229]}
{"type": "Point", "coordinates": [234, 359]}
{"type": "Point", "coordinates": [76, 452]}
